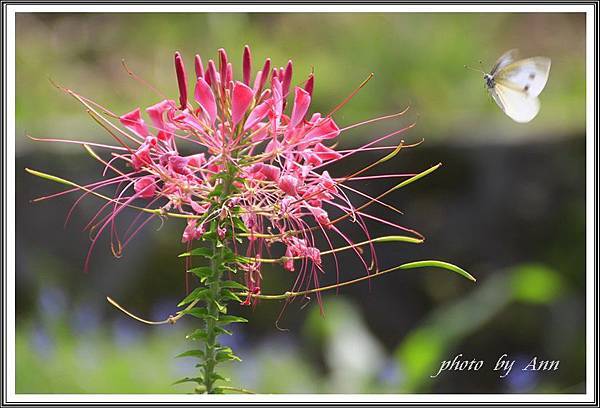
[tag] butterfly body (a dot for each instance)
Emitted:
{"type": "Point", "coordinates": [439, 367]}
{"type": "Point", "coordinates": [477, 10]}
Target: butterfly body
{"type": "Point", "coordinates": [515, 85]}
{"type": "Point", "coordinates": [489, 81]}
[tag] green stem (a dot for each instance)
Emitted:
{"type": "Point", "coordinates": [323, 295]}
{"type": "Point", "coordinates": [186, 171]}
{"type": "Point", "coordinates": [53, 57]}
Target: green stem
{"type": "Point", "coordinates": [212, 306]}
{"type": "Point", "coordinates": [210, 345]}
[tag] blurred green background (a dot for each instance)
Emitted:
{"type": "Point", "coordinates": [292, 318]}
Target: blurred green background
{"type": "Point", "coordinates": [508, 205]}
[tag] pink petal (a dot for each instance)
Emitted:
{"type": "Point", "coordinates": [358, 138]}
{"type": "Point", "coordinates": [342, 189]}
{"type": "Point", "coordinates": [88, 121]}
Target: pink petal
{"type": "Point", "coordinates": [205, 97]}
{"type": "Point", "coordinates": [301, 104]}
{"type": "Point", "coordinates": [198, 160]}
{"type": "Point", "coordinates": [198, 66]}
{"type": "Point", "coordinates": [325, 153]}
{"type": "Point", "coordinates": [246, 65]}
{"type": "Point", "coordinates": [134, 122]}
{"type": "Point", "coordinates": [141, 157]}
{"type": "Point", "coordinates": [211, 73]}
{"type": "Point", "coordinates": [277, 98]}
{"type": "Point", "coordinates": [327, 129]}
{"type": "Point", "coordinates": [310, 84]}
{"type": "Point", "coordinates": [269, 172]}
{"type": "Point", "coordinates": [272, 146]}
{"type": "Point", "coordinates": [240, 101]}
{"type": "Point", "coordinates": [192, 122]}
{"type": "Point", "coordinates": [257, 114]}
{"type": "Point", "coordinates": [257, 81]}
{"type": "Point", "coordinates": [181, 80]}
{"type": "Point", "coordinates": [145, 187]}
{"type": "Point", "coordinates": [223, 63]}
{"type": "Point", "coordinates": [288, 185]}
{"type": "Point", "coordinates": [229, 73]}
{"type": "Point", "coordinates": [156, 115]}
{"type": "Point", "coordinates": [265, 74]}
{"type": "Point", "coordinates": [287, 78]}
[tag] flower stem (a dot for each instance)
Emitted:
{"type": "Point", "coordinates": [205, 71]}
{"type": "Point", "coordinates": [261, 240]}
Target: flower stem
{"type": "Point", "coordinates": [208, 366]}
{"type": "Point", "coordinates": [213, 300]}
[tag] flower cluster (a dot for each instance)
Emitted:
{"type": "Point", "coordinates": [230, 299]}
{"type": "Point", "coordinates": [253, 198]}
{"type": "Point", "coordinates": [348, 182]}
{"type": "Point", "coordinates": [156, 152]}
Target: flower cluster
{"type": "Point", "coordinates": [244, 162]}
{"type": "Point", "coordinates": [259, 133]}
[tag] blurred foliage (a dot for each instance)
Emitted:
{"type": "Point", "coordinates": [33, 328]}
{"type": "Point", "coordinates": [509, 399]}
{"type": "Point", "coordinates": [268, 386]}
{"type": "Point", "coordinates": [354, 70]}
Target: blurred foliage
{"type": "Point", "coordinates": [131, 361]}
{"type": "Point", "coordinates": [418, 60]}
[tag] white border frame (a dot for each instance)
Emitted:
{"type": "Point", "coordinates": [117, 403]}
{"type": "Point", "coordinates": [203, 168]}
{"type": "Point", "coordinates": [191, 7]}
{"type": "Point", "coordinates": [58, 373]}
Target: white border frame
{"type": "Point", "coordinates": [466, 399]}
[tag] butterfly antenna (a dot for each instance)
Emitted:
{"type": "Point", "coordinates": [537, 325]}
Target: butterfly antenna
{"type": "Point", "coordinates": [474, 69]}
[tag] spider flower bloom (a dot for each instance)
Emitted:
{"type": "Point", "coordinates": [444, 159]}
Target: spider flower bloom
{"type": "Point", "coordinates": [259, 129]}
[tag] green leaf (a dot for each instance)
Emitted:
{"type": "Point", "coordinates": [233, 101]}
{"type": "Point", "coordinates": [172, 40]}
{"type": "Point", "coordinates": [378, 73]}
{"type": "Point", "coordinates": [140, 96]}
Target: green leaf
{"type": "Point", "coordinates": [191, 353]}
{"type": "Point", "coordinates": [233, 285]}
{"type": "Point", "coordinates": [222, 308]}
{"type": "Point", "coordinates": [217, 377]}
{"type": "Point", "coordinates": [228, 255]}
{"type": "Point", "coordinates": [227, 319]}
{"type": "Point", "coordinates": [229, 268]}
{"type": "Point", "coordinates": [204, 252]}
{"type": "Point", "coordinates": [437, 264]}
{"type": "Point", "coordinates": [199, 312]}
{"type": "Point", "coordinates": [216, 191]}
{"type": "Point", "coordinates": [198, 293]}
{"type": "Point", "coordinates": [238, 223]}
{"type": "Point", "coordinates": [226, 356]}
{"type": "Point", "coordinates": [198, 334]}
{"type": "Point", "coordinates": [203, 272]}
{"type": "Point", "coordinates": [209, 236]}
{"type": "Point", "coordinates": [221, 330]}
{"type": "Point", "coordinates": [227, 294]}
{"type": "Point", "coordinates": [224, 348]}
{"type": "Point", "coordinates": [198, 380]}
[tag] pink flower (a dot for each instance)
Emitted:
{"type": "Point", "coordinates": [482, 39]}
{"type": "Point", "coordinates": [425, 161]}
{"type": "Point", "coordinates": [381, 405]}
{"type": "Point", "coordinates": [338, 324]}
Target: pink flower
{"type": "Point", "coordinates": [134, 122]}
{"type": "Point", "coordinates": [265, 172]}
{"type": "Point", "coordinates": [289, 184]}
{"type": "Point", "coordinates": [241, 100]}
{"type": "Point", "coordinates": [145, 187]}
{"type": "Point", "coordinates": [221, 233]}
{"type": "Point", "coordinates": [192, 231]}
{"type": "Point", "coordinates": [205, 97]}
{"type": "Point", "coordinates": [141, 157]}
{"type": "Point", "coordinates": [288, 263]}
{"type": "Point", "coordinates": [255, 138]}
{"type": "Point", "coordinates": [157, 113]}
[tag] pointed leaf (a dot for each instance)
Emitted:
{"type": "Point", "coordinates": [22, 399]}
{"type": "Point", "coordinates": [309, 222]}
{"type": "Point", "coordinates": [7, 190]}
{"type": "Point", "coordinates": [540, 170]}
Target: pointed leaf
{"type": "Point", "coordinates": [226, 356]}
{"type": "Point", "coordinates": [191, 353]}
{"type": "Point", "coordinates": [221, 330]}
{"type": "Point", "coordinates": [438, 264]}
{"type": "Point", "coordinates": [216, 377]}
{"type": "Point", "coordinates": [227, 294]}
{"type": "Point", "coordinates": [203, 272]}
{"type": "Point", "coordinates": [198, 380]}
{"type": "Point", "coordinates": [204, 252]}
{"type": "Point", "coordinates": [200, 313]}
{"type": "Point", "coordinates": [222, 308]}
{"type": "Point", "coordinates": [227, 319]}
{"type": "Point", "coordinates": [198, 334]}
{"type": "Point", "coordinates": [198, 293]}
{"type": "Point", "coordinates": [233, 285]}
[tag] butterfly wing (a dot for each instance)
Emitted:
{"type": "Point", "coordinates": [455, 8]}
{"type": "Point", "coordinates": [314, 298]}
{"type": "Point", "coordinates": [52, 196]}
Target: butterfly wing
{"type": "Point", "coordinates": [529, 75]}
{"type": "Point", "coordinates": [518, 105]}
{"type": "Point", "coordinates": [505, 59]}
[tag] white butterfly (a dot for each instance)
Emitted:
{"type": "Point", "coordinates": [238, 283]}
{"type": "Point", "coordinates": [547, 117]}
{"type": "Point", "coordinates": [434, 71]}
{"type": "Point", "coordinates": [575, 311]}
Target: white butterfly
{"type": "Point", "coordinates": [515, 85]}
